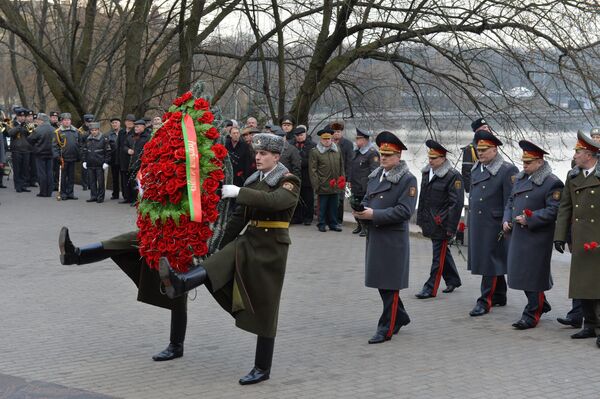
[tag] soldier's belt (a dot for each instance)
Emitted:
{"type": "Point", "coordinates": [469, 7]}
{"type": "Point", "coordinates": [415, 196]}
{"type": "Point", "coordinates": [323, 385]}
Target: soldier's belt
{"type": "Point", "coordinates": [269, 224]}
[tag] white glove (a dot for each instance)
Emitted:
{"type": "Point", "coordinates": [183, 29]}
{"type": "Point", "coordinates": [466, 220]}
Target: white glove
{"type": "Point", "coordinates": [84, 165]}
{"type": "Point", "coordinates": [104, 166]}
{"type": "Point", "coordinates": [230, 191]}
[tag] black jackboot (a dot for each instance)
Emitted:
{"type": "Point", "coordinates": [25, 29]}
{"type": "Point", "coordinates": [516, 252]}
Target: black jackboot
{"type": "Point", "coordinates": [175, 348]}
{"type": "Point", "coordinates": [176, 284]}
{"type": "Point", "coordinates": [71, 255]}
{"type": "Point", "coordinates": [262, 362]}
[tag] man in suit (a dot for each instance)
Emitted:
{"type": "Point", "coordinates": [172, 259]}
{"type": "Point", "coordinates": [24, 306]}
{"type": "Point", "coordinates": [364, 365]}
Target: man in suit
{"type": "Point", "coordinates": [389, 202]}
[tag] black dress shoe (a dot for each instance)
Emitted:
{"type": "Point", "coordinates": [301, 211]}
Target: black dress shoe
{"type": "Point", "coordinates": [424, 294]}
{"type": "Point", "coordinates": [322, 229]}
{"type": "Point", "coordinates": [567, 321]}
{"type": "Point", "coordinates": [2, 186]}
{"type": "Point", "coordinates": [586, 332]}
{"type": "Point", "coordinates": [478, 310]}
{"type": "Point", "coordinates": [598, 342]}
{"type": "Point", "coordinates": [378, 338]}
{"type": "Point", "coordinates": [363, 233]}
{"type": "Point", "coordinates": [450, 288]}
{"type": "Point", "coordinates": [255, 376]}
{"type": "Point", "coordinates": [91, 200]}
{"type": "Point", "coordinates": [100, 201]}
{"type": "Point", "coordinates": [68, 252]}
{"type": "Point", "coordinates": [522, 325]}
{"type": "Point", "coordinates": [335, 228]}
{"type": "Point", "coordinates": [173, 351]}
{"type": "Point", "coordinates": [73, 197]}
{"type": "Point", "coordinates": [25, 190]}
{"type": "Point", "coordinates": [307, 222]}
{"type": "Point", "coordinates": [357, 230]}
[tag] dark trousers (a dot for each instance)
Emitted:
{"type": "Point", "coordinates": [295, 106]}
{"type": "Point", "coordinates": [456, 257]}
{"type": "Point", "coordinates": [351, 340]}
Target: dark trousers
{"type": "Point", "coordinates": [536, 306]}
{"type": "Point", "coordinates": [55, 173]}
{"type": "Point", "coordinates": [493, 291]}
{"type": "Point", "coordinates": [33, 175]}
{"type": "Point", "coordinates": [115, 172]}
{"type": "Point", "coordinates": [45, 176]}
{"type": "Point", "coordinates": [576, 312]}
{"type": "Point", "coordinates": [20, 162]}
{"type": "Point", "coordinates": [447, 270]}
{"type": "Point", "coordinates": [85, 182]}
{"type": "Point", "coordinates": [125, 186]}
{"type": "Point", "coordinates": [591, 310]}
{"type": "Point", "coordinates": [178, 325]}
{"type": "Point", "coordinates": [340, 209]}
{"type": "Point", "coordinates": [264, 352]}
{"type": "Point", "coordinates": [328, 205]}
{"type": "Point", "coordinates": [394, 315]}
{"type": "Point", "coordinates": [67, 182]}
{"type": "Point", "coordinates": [96, 182]}
{"type": "Point", "coordinates": [305, 209]}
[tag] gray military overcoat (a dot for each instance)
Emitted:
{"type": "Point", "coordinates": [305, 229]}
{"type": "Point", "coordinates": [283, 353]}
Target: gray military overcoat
{"type": "Point", "coordinates": [489, 192]}
{"type": "Point", "coordinates": [530, 246]}
{"type": "Point", "coordinates": [393, 202]}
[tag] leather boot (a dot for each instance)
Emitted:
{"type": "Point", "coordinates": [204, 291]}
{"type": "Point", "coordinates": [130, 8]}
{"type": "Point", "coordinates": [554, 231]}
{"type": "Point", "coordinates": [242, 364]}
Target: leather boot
{"type": "Point", "coordinates": [72, 255]}
{"type": "Point", "coordinates": [176, 284]}
{"type": "Point", "coordinates": [358, 229]}
{"type": "Point", "coordinates": [262, 362]}
{"type": "Point", "coordinates": [175, 348]}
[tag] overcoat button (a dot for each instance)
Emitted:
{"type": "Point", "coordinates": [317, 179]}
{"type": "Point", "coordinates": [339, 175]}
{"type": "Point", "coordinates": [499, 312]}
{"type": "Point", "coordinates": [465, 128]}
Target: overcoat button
{"type": "Point", "coordinates": [592, 220]}
{"type": "Point", "coordinates": [527, 196]}
{"type": "Point", "coordinates": [479, 212]}
{"type": "Point", "coordinates": [592, 206]}
{"type": "Point", "coordinates": [576, 205]}
{"type": "Point", "coordinates": [592, 191]}
{"type": "Point", "coordinates": [483, 187]}
{"type": "Point", "coordinates": [381, 196]}
{"type": "Point", "coordinates": [266, 229]}
{"type": "Point", "coordinates": [577, 220]}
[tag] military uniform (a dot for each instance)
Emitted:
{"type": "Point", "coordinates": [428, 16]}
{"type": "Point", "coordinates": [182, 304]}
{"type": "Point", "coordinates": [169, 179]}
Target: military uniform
{"type": "Point", "coordinates": [306, 204]}
{"type": "Point", "coordinates": [363, 162]}
{"type": "Point", "coordinates": [96, 156]}
{"type": "Point", "coordinates": [115, 171]}
{"type": "Point", "coordinates": [84, 131]}
{"type": "Point", "coordinates": [124, 144]}
{"type": "Point", "coordinates": [440, 205]}
{"type": "Point", "coordinates": [580, 210]}
{"type": "Point", "coordinates": [535, 198]}
{"type": "Point", "coordinates": [41, 140]}
{"type": "Point", "coordinates": [491, 186]}
{"type": "Point", "coordinates": [55, 160]}
{"type": "Point", "coordinates": [392, 195]}
{"type": "Point", "coordinates": [68, 147]}
{"type": "Point", "coordinates": [21, 152]}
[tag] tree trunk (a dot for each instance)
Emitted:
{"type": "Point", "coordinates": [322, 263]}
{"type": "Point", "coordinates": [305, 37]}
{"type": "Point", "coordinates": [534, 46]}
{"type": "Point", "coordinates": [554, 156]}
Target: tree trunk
{"type": "Point", "coordinates": [15, 71]}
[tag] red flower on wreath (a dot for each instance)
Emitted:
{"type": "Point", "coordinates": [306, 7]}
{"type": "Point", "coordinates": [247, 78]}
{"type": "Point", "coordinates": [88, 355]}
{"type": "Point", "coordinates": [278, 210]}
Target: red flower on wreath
{"type": "Point", "coordinates": [201, 104]}
{"type": "Point", "coordinates": [219, 150]}
{"type": "Point", "coordinates": [212, 133]}
{"type": "Point", "coordinates": [183, 99]}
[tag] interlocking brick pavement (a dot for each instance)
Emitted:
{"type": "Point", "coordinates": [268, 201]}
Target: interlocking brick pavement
{"type": "Point", "coordinates": [80, 327]}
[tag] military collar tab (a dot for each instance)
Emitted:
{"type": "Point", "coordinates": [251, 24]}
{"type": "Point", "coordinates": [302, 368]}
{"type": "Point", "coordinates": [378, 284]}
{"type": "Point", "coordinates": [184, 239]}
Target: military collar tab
{"type": "Point", "coordinates": [322, 149]}
{"type": "Point", "coordinates": [395, 174]}
{"type": "Point", "coordinates": [493, 167]}
{"type": "Point", "coordinates": [539, 175]}
{"type": "Point", "coordinates": [272, 178]}
{"type": "Point", "coordinates": [441, 171]}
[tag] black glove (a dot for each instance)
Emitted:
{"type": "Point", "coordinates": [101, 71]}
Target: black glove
{"type": "Point", "coordinates": [559, 246]}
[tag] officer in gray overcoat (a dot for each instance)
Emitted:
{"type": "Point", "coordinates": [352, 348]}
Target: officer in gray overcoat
{"type": "Point", "coordinates": [491, 184]}
{"type": "Point", "coordinates": [389, 202]}
{"type": "Point", "coordinates": [529, 220]}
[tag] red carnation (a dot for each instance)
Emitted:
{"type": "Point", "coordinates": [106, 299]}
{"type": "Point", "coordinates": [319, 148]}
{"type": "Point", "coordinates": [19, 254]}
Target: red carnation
{"type": "Point", "coordinates": [587, 246]}
{"type": "Point", "coordinates": [183, 99]}
{"type": "Point", "coordinates": [210, 185]}
{"type": "Point", "coordinates": [180, 153]}
{"type": "Point", "coordinates": [461, 227]}
{"type": "Point", "coordinates": [332, 182]}
{"type": "Point", "coordinates": [176, 197]}
{"type": "Point", "coordinates": [593, 245]}
{"type": "Point", "coordinates": [219, 150]}
{"type": "Point", "coordinates": [527, 212]}
{"type": "Point", "coordinates": [437, 219]}
{"type": "Point", "coordinates": [218, 174]}
{"type": "Point", "coordinates": [341, 182]}
{"type": "Point", "coordinates": [207, 117]}
{"type": "Point", "coordinates": [205, 233]}
{"type": "Point", "coordinates": [201, 104]}
{"type": "Point", "coordinates": [212, 133]}
{"type": "Point", "coordinates": [171, 187]}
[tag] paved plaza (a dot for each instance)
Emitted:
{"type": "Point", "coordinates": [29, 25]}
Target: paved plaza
{"type": "Point", "coordinates": [78, 331]}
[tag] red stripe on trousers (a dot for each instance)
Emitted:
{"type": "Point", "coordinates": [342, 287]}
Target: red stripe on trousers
{"type": "Point", "coordinates": [538, 311]}
{"type": "Point", "coordinates": [438, 276]}
{"type": "Point", "coordinates": [491, 294]}
{"type": "Point", "coordinates": [393, 318]}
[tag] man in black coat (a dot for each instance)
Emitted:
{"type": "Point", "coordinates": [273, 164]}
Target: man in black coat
{"type": "Point", "coordinates": [125, 149]}
{"type": "Point", "coordinates": [115, 171]}
{"type": "Point", "coordinates": [141, 135]}
{"type": "Point", "coordinates": [20, 150]}
{"type": "Point", "coordinates": [240, 156]}
{"type": "Point", "coordinates": [306, 205]}
{"type": "Point", "coordinates": [55, 161]}
{"type": "Point", "coordinates": [67, 146]}
{"type": "Point", "coordinates": [347, 150]}
{"type": "Point", "coordinates": [491, 184]}
{"type": "Point", "coordinates": [440, 206]}
{"type": "Point", "coordinates": [470, 153]}
{"type": "Point", "coordinates": [96, 156]}
{"type": "Point", "coordinates": [364, 161]}
{"type": "Point", "coordinates": [290, 157]}
{"type": "Point", "coordinates": [84, 130]}
{"type": "Point", "coordinates": [41, 140]}
{"type": "Point", "coordinates": [529, 220]}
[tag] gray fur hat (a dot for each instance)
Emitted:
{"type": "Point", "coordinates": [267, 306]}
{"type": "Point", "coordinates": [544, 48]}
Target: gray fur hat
{"type": "Point", "coordinates": [94, 125]}
{"type": "Point", "coordinates": [267, 142]}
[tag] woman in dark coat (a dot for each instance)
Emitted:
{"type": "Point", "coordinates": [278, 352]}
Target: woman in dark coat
{"type": "Point", "coordinates": [388, 205]}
